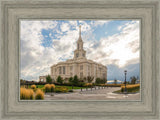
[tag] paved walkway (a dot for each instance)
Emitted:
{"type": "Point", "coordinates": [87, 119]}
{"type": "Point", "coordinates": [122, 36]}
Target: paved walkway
{"type": "Point", "coordinates": [94, 94]}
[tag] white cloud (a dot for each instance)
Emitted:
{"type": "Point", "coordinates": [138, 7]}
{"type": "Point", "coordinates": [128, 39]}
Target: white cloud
{"type": "Point", "coordinates": [100, 22]}
{"type": "Point", "coordinates": [119, 49]}
{"type": "Point", "coordinates": [65, 27]}
{"type": "Point", "coordinates": [33, 54]}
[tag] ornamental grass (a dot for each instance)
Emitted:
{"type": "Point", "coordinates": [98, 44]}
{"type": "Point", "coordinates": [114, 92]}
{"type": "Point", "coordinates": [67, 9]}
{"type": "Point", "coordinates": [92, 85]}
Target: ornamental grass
{"type": "Point", "coordinates": [113, 85]}
{"type": "Point", "coordinates": [88, 84]}
{"type": "Point", "coordinates": [47, 88]}
{"type": "Point", "coordinates": [33, 86]}
{"type": "Point", "coordinates": [130, 88]}
{"type": "Point", "coordinates": [26, 94]}
{"type": "Point", "coordinates": [39, 94]}
{"type": "Point", "coordinates": [52, 87]}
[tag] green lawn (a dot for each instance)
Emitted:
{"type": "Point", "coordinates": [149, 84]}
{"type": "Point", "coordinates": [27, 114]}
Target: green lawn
{"type": "Point", "coordinates": [69, 87]}
{"type": "Point", "coordinates": [39, 86]}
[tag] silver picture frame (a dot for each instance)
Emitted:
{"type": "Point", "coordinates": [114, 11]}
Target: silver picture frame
{"type": "Point", "coordinates": [12, 11]}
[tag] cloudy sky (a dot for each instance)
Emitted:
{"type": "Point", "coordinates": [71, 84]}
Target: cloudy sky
{"type": "Point", "coordinates": [114, 43]}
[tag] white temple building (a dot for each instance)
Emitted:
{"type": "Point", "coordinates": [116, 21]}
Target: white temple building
{"type": "Point", "coordinates": [79, 65]}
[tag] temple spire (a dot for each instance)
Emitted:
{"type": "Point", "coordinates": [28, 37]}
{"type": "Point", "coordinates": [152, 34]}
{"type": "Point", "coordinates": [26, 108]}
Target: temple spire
{"type": "Point", "coordinates": [80, 39]}
{"type": "Point", "coordinates": [80, 31]}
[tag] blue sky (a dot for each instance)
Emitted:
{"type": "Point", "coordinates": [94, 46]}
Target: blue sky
{"type": "Point", "coordinates": [114, 43]}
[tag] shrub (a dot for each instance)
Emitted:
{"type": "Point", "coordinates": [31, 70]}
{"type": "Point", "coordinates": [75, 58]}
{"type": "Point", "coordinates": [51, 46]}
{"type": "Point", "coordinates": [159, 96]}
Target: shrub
{"type": "Point", "coordinates": [81, 84]}
{"type": "Point", "coordinates": [61, 89]}
{"type": "Point", "coordinates": [130, 88]}
{"type": "Point", "coordinates": [88, 84]}
{"type": "Point", "coordinates": [52, 87]}
{"type": "Point", "coordinates": [113, 85]}
{"type": "Point", "coordinates": [47, 88]}
{"type": "Point", "coordinates": [33, 86]}
{"type": "Point", "coordinates": [101, 81]}
{"type": "Point", "coordinates": [39, 95]}
{"type": "Point", "coordinates": [26, 94]}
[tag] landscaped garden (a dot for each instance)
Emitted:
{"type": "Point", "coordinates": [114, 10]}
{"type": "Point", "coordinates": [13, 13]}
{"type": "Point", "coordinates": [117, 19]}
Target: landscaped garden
{"type": "Point", "coordinates": [132, 88]}
{"type": "Point", "coordinates": [38, 90]}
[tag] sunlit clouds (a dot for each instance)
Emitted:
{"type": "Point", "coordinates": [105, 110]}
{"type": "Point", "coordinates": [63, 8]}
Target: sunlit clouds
{"type": "Point", "coordinates": [44, 43]}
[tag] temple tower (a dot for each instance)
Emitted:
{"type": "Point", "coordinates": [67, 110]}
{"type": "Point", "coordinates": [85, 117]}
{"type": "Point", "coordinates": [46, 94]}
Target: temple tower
{"type": "Point", "coordinates": [79, 52]}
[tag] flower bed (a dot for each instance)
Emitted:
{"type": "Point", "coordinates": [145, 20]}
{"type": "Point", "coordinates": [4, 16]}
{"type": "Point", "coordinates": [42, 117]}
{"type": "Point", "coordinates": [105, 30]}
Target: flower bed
{"type": "Point", "coordinates": [61, 89]}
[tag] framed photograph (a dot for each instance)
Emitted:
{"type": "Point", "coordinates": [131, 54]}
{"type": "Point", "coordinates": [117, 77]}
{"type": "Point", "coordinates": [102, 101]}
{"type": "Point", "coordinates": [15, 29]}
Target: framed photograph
{"type": "Point", "coordinates": [79, 59]}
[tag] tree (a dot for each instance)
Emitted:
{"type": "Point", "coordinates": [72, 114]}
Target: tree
{"type": "Point", "coordinates": [75, 80]}
{"type": "Point", "coordinates": [133, 80]}
{"type": "Point", "coordinates": [101, 81]}
{"type": "Point", "coordinates": [84, 79]}
{"type": "Point", "coordinates": [60, 80]}
{"type": "Point", "coordinates": [71, 80]}
{"type": "Point", "coordinates": [115, 81]}
{"type": "Point", "coordinates": [48, 79]}
{"type": "Point", "coordinates": [90, 79]}
{"type": "Point", "coordinates": [98, 81]}
{"type": "Point", "coordinates": [104, 81]}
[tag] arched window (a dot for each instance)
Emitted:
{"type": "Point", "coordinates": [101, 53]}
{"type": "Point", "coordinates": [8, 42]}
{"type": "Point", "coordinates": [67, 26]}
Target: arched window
{"type": "Point", "coordinates": [77, 55]}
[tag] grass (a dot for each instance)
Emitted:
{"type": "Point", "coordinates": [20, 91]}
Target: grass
{"type": "Point", "coordinates": [39, 86]}
{"type": "Point", "coordinates": [69, 87]}
{"type": "Point", "coordinates": [133, 91]}
{"type": "Point", "coordinates": [39, 95]}
{"type": "Point", "coordinates": [131, 87]}
{"type": "Point", "coordinates": [26, 94]}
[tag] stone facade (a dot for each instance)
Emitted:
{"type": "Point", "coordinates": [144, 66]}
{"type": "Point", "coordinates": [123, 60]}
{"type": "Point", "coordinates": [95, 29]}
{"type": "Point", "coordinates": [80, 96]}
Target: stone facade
{"type": "Point", "coordinates": [79, 65]}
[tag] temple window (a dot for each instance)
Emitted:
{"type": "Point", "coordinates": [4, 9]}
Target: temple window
{"type": "Point", "coordinates": [59, 70]}
{"type": "Point", "coordinates": [77, 55]}
{"type": "Point", "coordinates": [81, 67]}
{"type": "Point", "coordinates": [63, 69]}
{"type": "Point", "coordinates": [81, 75]}
{"type": "Point", "coordinates": [71, 68]}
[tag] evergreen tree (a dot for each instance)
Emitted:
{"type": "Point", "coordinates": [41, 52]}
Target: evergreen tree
{"type": "Point", "coordinates": [75, 80]}
{"type": "Point", "coordinates": [48, 79]}
{"type": "Point", "coordinates": [71, 80]}
{"type": "Point", "coordinates": [60, 80]}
